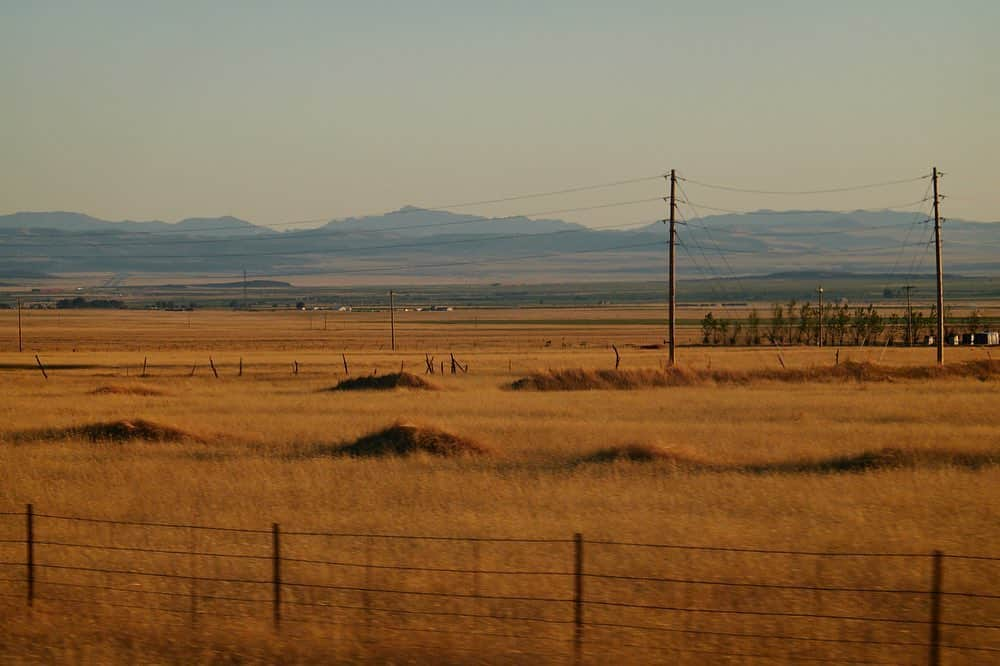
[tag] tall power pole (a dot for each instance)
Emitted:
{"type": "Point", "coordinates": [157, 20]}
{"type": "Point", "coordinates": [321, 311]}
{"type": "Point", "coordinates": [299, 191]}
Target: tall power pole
{"type": "Point", "coordinates": [940, 280]}
{"type": "Point", "coordinates": [672, 279]}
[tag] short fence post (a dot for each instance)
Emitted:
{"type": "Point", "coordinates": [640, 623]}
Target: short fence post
{"type": "Point", "coordinates": [30, 544]}
{"type": "Point", "coordinates": [276, 572]}
{"type": "Point", "coordinates": [934, 658]}
{"type": "Point", "coordinates": [578, 597]}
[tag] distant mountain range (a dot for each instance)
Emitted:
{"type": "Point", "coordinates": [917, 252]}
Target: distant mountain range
{"type": "Point", "coordinates": [414, 243]}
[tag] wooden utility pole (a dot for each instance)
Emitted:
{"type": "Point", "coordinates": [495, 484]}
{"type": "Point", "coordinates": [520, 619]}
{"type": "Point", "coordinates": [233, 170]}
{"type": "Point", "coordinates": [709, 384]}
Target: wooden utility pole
{"type": "Point", "coordinates": [819, 290]}
{"type": "Point", "coordinates": [20, 344]}
{"type": "Point", "coordinates": [940, 280]}
{"type": "Point", "coordinates": [672, 279]}
{"type": "Point", "coordinates": [392, 321]}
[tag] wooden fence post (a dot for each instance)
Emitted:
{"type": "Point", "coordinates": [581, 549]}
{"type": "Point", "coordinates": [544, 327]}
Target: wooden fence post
{"type": "Point", "coordinates": [276, 572]}
{"type": "Point", "coordinates": [934, 658]}
{"type": "Point", "coordinates": [29, 515]}
{"type": "Point", "coordinates": [41, 367]}
{"type": "Point", "coordinates": [578, 597]}
{"type": "Point", "coordinates": [144, 359]}
{"type": "Point", "coordinates": [241, 367]}
{"type": "Point", "coordinates": [211, 364]}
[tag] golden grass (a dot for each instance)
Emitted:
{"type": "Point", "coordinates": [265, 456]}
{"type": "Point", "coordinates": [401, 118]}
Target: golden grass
{"type": "Point", "coordinates": [907, 465]}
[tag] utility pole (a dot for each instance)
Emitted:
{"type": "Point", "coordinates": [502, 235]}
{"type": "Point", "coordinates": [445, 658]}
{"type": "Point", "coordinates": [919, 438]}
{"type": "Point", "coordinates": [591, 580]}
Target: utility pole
{"type": "Point", "coordinates": [392, 321]}
{"type": "Point", "coordinates": [20, 345]}
{"type": "Point", "coordinates": [940, 280]}
{"type": "Point", "coordinates": [819, 290]}
{"type": "Point", "coordinates": [672, 279]}
{"type": "Point", "coordinates": [909, 315]}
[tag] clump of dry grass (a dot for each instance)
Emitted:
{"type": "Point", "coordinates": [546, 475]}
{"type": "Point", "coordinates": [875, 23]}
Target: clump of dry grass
{"type": "Point", "coordinates": [638, 452]}
{"type": "Point", "coordinates": [403, 439]}
{"type": "Point", "coordinates": [125, 390]}
{"type": "Point", "coordinates": [886, 458]}
{"type": "Point", "coordinates": [112, 431]}
{"type": "Point", "coordinates": [584, 380]}
{"type": "Point", "coordinates": [384, 383]}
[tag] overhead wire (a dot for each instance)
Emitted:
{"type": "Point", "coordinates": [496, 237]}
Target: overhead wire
{"type": "Point", "coordinates": [830, 190]}
{"type": "Point", "coordinates": [403, 211]}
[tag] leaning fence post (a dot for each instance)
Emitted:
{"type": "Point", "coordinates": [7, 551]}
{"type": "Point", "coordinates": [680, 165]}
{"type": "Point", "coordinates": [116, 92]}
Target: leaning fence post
{"type": "Point", "coordinates": [29, 515]}
{"type": "Point", "coordinates": [41, 367]}
{"type": "Point", "coordinates": [578, 597]}
{"type": "Point", "coordinates": [276, 572]}
{"type": "Point", "coordinates": [934, 658]}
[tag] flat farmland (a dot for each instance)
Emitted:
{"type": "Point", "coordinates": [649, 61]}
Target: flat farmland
{"type": "Point", "coordinates": [758, 520]}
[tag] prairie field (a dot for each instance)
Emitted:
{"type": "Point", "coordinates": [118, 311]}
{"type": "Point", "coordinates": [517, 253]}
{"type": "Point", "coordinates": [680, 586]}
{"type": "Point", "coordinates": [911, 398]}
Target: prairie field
{"type": "Point", "coordinates": [775, 518]}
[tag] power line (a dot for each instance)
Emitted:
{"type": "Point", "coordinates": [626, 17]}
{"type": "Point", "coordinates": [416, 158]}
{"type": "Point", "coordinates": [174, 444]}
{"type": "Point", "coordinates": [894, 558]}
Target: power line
{"type": "Point", "coordinates": [805, 212]}
{"type": "Point", "coordinates": [518, 197]}
{"type": "Point", "coordinates": [849, 188]}
{"type": "Point", "coordinates": [404, 211]}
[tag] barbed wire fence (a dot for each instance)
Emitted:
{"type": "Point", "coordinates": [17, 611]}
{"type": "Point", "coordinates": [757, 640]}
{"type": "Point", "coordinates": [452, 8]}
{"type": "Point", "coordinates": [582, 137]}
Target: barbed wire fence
{"type": "Point", "coordinates": [569, 598]}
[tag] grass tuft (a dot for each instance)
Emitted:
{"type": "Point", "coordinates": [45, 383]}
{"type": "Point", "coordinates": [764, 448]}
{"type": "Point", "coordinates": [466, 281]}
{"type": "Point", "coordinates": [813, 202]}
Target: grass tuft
{"type": "Point", "coordinates": [112, 431]}
{"type": "Point", "coordinates": [125, 390]}
{"type": "Point", "coordinates": [384, 383]}
{"type": "Point", "coordinates": [402, 439]}
{"type": "Point", "coordinates": [635, 452]}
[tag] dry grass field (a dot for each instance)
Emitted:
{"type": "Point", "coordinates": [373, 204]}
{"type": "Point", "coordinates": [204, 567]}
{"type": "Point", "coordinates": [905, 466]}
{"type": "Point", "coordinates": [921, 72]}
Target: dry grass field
{"type": "Point", "coordinates": [900, 466]}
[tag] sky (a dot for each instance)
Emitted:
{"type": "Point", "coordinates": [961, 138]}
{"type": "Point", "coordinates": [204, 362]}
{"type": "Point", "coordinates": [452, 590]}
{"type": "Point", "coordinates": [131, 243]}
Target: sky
{"type": "Point", "coordinates": [312, 110]}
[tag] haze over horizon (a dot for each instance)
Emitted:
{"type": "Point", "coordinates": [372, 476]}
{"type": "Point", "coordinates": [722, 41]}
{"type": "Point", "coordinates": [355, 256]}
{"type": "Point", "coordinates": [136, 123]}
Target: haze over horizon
{"type": "Point", "coordinates": [325, 111]}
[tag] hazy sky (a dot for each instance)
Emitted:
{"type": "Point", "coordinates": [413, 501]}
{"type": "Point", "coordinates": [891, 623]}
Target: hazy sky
{"type": "Point", "coordinates": [285, 111]}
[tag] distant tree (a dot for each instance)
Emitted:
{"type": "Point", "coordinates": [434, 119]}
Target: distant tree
{"type": "Point", "coordinates": [776, 333]}
{"type": "Point", "coordinates": [734, 333]}
{"type": "Point", "coordinates": [974, 322]}
{"type": "Point", "coordinates": [753, 328]}
{"type": "Point", "coordinates": [721, 330]}
{"type": "Point", "coordinates": [808, 326]}
{"type": "Point", "coordinates": [708, 326]}
{"type": "Point", "coordinates": [792, 321]}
